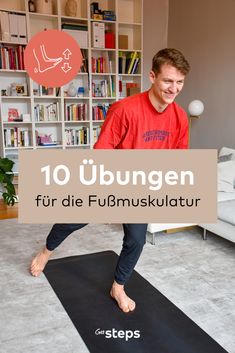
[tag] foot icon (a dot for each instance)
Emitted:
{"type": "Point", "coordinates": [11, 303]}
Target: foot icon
{"type": "Point", "coordinates": [44, 62]}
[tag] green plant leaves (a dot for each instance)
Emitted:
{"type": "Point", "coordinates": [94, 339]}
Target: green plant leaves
{"type": "Point", "coordinates": [6, 178]}
{"type": "Point", "coordinates": [6, 165]}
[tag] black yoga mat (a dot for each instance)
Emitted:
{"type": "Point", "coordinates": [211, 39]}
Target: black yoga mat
{"type": "Point", "coordinates": [82, 284]}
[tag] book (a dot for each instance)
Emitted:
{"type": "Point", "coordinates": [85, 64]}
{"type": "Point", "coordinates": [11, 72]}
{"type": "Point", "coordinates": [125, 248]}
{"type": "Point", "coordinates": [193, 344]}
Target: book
{"type": "Point", "coordinates": [76, 27]}
{"type": "Point", "coordinates": [133, 57]}
{"type": "Point", "coordinates": [120, 62]}
{"type": "Point", "coordinates": [123, 63]}
{"type": "Point", "coordinates": [135, 66]}
{"type": "Point", "coordinates": [84, 66]}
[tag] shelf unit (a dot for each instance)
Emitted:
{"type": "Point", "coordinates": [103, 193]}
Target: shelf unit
{"type": "Point", "coordinates": [36, 102]}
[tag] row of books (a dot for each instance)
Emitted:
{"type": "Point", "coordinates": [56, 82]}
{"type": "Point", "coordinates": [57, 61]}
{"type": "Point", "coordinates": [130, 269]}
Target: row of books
{"type": "Point", "coordinates": [128, 63]}
{"type": "Point", "coordinates": [102, 64]}
{"type": "Point", "coordinates": [99, 112]}
{"type": "Point", "coordinates": [80, 136]}
{"type": "Point", "coordinates": [77, 136]}
{"type": "Point", "coordinates": [103, 88]}
{"type": "Point", "coordinates": [84, 66]}
{"type": "Point", "coordinates": [46, 112]}
{"type": "Point", "coordinates": [96, 132]}
{"type": "Point", "coordinates": [13, 27]}
{"type": "Point", "coordinates": [16, 137]}
{"type": "Point", "coordinates": [19, 137]}
{"type": "Point", "coordinates": [12, 58]}
{"type": "Point", "coordinates": [76, 112]}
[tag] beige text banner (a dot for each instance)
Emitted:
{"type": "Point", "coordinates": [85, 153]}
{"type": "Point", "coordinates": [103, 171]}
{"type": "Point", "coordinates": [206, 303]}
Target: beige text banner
{"type": "Point", "coordinates": [118, 186]}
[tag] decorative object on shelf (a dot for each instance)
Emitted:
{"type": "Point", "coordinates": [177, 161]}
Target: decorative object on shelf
{"type": "Point", "coordinates": [21, 89]}
{"type": "Point", "coordinates": [44, 6]}
{"type": "Point", "coordinates": [36, 91]}
{"type": "Point", "coordinates": [81, 92]}
{"type": "Point", "coordinates": [18, 89]}
{"type": "Point", "coordinates": [72, 91]}
{"type": "Point", "coordinates": [13, 89]}
{"type": "Point", "coordinates": [123, 41]}
{"type": "Point", "coordinates": [97, 16]}
{"type": "Point", "coordinates": [46, 140]}
{"type": "Point", "coordinates": [6, 181]}
{"type": "Point", "coordinates": [109, 15]}
{"type": "Point", "coordinates": [13, 115]}
{"type": "Point", "coordinates": [46, 91]}
{"type": "Point", "coordinates": [133, 89]}
{"type": "Point", "coordinates": [195, 109]}
{"type": "Point", "coordinates": [3, 92]}
{"type": "Point", "coordinates": [25, 118]}
{"type": "Point", "coordinates": [31, 6]}
{"type": "Point", "coordinates": [109, 40]}
{"type": "Point", "coordinates": [94, 8]}
{"type": "Point", "coordinates": [71, 8]}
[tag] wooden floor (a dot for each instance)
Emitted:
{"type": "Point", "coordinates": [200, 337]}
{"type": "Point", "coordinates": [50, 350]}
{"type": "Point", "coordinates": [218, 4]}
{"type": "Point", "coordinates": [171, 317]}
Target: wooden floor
{"type": "Point", "coordinates": [8, 211]}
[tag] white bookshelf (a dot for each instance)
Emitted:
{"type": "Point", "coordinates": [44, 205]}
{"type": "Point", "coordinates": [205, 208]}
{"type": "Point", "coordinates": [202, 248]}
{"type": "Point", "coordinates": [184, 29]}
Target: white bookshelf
{"type": "Point", "coordinates": [129, 21]}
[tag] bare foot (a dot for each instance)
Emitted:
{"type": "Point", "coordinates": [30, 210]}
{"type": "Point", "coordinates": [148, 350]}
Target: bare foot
{"type": "Point", "coordinates": [125, 303]}
{"type": "Point", "coordinates": [40, 261]}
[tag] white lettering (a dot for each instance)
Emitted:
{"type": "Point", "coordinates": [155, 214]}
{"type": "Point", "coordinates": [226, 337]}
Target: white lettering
{"type": "Point", "coordinates": [155, 178]}
{"type": "Point", "coordinates": [93, 173]}
{"type": "Point", "coordinates": [106, 173]}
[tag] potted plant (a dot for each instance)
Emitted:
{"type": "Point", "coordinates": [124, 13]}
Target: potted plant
{"type": "Point", "coordinates": [6, 181]}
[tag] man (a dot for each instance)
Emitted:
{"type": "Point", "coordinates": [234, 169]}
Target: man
{"type": "Point", "coordinates": [149, 120]}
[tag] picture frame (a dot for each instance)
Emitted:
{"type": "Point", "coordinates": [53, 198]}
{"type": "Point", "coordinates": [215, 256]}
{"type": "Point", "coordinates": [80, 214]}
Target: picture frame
{"type": "Point", "coordinates": [21, 89]}
{"type": "Point", "coordinates": [47, 91]}
{"type": "Point", "coordinates": [13, 115]}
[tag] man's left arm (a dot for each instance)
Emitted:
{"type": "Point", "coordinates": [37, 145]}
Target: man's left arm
{"type": "Point", "coordinates": [183, 141]}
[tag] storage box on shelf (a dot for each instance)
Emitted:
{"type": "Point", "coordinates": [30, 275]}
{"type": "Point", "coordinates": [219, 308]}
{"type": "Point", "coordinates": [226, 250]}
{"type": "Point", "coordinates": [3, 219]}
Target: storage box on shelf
{"type": "Point", "coordinates": [68, 117]}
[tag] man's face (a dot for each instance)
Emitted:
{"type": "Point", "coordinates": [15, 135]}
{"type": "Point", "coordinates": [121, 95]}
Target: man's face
{"type": "Point", "coordinates": [167, 84]}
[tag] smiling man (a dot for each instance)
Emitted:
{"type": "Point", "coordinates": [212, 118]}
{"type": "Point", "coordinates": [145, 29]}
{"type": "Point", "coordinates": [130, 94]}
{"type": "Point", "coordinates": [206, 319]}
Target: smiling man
{"type": "Point", "coordinates": [149, 120]}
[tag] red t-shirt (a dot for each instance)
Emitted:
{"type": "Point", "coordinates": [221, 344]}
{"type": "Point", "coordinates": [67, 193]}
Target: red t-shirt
{"type": "Point", "coordinates": [133, 123]}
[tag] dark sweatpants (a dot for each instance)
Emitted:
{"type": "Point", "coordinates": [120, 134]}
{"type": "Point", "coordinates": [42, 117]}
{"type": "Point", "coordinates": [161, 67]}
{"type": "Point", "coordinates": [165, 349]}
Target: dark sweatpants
{"type": "Point", "coordinates": [133, 243]}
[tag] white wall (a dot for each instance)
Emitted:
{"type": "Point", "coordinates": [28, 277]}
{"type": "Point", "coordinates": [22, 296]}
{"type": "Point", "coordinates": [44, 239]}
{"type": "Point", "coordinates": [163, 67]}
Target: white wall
{"type": "Point", "coordinates": [155, 32]}
{"type": "Point", "coordinates": [205, 30]}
